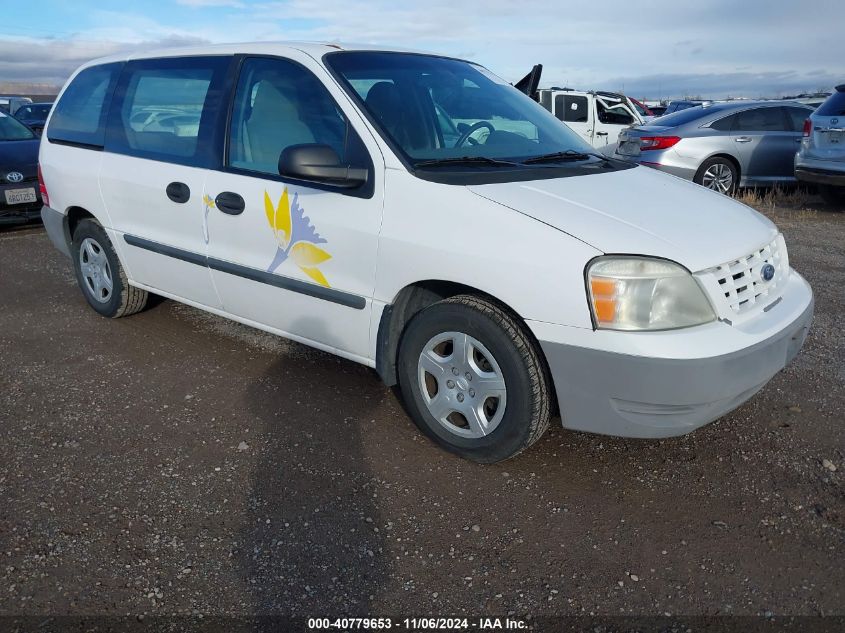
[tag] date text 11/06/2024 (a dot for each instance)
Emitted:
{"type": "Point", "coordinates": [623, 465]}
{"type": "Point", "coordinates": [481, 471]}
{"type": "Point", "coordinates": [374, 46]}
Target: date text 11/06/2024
{"type": "Point", "coordinates": [416, 624]}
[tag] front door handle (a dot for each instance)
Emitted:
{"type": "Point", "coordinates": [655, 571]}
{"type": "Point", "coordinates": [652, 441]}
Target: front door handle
{"type": "Point", "coordinates": [601, 133]}
{"type": "Point", "coordinates": [743, 139]}
{"type": "Point", "coordinates": [179, 192]}
{"type": "Point", "coordinates": [230, 202]}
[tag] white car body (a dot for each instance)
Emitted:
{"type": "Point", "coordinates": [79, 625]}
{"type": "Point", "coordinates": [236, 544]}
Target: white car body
{"type": "Point", "coordinates": [526, 243]}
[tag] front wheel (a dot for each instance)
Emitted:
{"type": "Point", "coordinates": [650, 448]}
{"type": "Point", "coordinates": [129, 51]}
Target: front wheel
{"type": "Point", "coordinates": [473, 381]}
{"type": "Point", "coordinates": [718, 174]}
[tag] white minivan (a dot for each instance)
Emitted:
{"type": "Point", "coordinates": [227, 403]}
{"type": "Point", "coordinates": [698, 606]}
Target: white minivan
{"type": "Point", "coordinates": [419, 215]}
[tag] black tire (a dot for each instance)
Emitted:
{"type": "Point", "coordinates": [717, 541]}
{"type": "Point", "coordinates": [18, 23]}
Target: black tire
{"type": "Point", "coordinates": [834, 196]}
{"type": "Point", "coordinates": [718, 162]}
{"type": "Point", "coordinates": [529, 393]}
{"type": "Point", "coordinates": [122, 299]}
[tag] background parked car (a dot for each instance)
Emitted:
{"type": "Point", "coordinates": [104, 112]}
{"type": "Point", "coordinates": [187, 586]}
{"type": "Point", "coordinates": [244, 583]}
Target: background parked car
{"type": "Point", "coordinates": [20, 199]}
{"type": "Point", "coordinates": [821, 158]}
{"type": "Point", "coordinates": [658, 110]}
{"type": "Point", "coordinates": [642, 109]}
{"type": "Point", "coordinates": [683, 104]}
{"type": "Point", "coordinates": [596, 116]}
{"type": "Point", "coordinates": [723, 145]}
{"type": "Point", "coordinates": [34, 115]}
{"type": "Point", "coordinates": [10, 104]}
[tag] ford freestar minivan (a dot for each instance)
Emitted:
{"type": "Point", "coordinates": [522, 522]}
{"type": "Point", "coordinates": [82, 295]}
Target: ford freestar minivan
{"type": "Point", "coordinates": [417, 214]}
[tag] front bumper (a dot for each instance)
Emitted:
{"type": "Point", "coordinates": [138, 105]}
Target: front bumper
{"type": "Point", "coordinates": [628, 395]}
{"type": "Point", "coordinates": [19, 213]}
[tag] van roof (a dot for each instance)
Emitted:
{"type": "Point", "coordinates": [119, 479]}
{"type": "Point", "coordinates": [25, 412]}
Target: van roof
{"type": "Point", "coordinates": [315, 49]}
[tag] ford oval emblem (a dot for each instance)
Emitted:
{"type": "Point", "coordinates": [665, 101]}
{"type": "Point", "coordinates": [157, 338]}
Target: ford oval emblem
{"type": "Point", "coordinates": [767, 272]}
{"type": "Point", "coordinates": [14, 176]}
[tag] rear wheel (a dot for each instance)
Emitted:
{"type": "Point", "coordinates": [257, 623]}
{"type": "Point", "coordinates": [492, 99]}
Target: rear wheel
{"type": "Point", "coordinates": [834, 196]}
{"type": "Point", "coordinates": [719, 174]}
{"type": "Point", "coordinates": [100, 275]}
{"type": "Point", "coordinates": [473, 380]}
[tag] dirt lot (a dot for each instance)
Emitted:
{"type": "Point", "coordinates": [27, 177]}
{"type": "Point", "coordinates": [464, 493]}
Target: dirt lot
{"type": "Point", "coordinates": [175, 462]}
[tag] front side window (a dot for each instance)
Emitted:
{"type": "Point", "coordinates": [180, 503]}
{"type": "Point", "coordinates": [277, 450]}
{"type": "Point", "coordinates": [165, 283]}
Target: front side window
{"type": "Point", "coordinates": [13, 130]}
{"type": "Point", "coordinates": [433, 108]}
{"type": "Point", "coordinates": [81, 110]}
{"type": "Point", "coordinates": [613, 114]}
{"type": "Point", "coordinates": [760, 120]}
{"type": "Point", "coordinates": [164, 105]}
{"type": "Point", "coordinates": [278, 104]}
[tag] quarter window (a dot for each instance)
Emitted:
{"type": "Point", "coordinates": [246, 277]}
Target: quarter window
{"type": "Point", "coordinates": [80, 114]}
{"type": "Point", "coordinates": [724, 124]}
{"type": "Point", "coordinates": [278, 104]}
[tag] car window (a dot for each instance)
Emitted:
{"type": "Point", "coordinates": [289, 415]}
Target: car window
{"type": "Point", "coordinates": [163, 105]}
{"type": "Point", "coordinates": [80, 113]}
{"type": "Point", "coordinates": [571, 108]}
{"type": "Point", "coordinates": [834, 105]}
{"type": "Point", "coordinates": [797, 116]}
{"type": "Point", "coordinates": [414, 100]}
{"type": "Point", "coordinates": [278, 104]}
{"type": "Point", "coordinates": [724, 124]}
{"type": "Point", "coordinates": [760, 120]}
{"type": "Point", "coordinates": [23, 112]}
{"type": "Point", "coordinates": [13, 130]}
{"type": "Point", "coordinates": [613, 114]}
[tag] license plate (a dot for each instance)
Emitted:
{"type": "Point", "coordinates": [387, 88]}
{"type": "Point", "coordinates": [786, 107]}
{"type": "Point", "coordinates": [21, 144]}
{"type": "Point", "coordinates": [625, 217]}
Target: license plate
{"type": "Point", "coordinates": [837, 137]}
{"type": "Point", "coordinates": [20, 196]}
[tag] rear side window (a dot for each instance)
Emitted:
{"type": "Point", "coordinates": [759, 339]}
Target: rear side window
{"type": "Point", "coordinates": [165, 106]}
{"type": "Point", "coordinates": [797, 116]}
{"type": "Point", "coordinates": [834, 105]}
{"type": "Point", "coordinates": [724, 124]}
{"type": "Point", "coordinates": [79, 116]}
{"type": "Point", "coordinates": [760, 120]}
{"type": "Point", "coordinates": [571, 108]}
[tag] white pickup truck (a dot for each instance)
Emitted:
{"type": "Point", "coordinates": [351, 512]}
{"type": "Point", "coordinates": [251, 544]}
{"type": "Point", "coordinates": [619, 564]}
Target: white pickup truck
{"type": "Point", "coordinates": [597, 117]}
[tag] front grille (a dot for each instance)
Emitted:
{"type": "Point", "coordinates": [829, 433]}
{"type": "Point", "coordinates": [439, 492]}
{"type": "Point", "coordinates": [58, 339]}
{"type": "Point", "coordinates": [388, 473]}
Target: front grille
{"type": "Point", "coordinates": [738, 288]}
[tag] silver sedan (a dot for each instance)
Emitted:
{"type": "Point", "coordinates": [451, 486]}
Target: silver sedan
{"type": "Point", "coordinates": [721, 146]}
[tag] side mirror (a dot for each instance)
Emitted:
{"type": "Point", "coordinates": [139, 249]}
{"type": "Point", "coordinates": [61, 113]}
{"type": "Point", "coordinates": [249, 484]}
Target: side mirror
{"type": "Point", "coordinates": [319, 163]}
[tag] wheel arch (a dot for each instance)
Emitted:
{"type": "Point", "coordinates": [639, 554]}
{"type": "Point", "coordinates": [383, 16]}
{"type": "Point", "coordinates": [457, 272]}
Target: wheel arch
{"type": "Point", "coordinates": [73, 216]}
{"type": "Point", "coordinates": [730, 157]}
{"type": "Point", "coordinates": [412, 299]}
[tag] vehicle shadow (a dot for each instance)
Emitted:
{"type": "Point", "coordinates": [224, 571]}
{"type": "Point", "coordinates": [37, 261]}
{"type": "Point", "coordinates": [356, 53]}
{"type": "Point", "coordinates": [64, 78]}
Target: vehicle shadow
{"type": "Point", "coordinates": [313, 542]}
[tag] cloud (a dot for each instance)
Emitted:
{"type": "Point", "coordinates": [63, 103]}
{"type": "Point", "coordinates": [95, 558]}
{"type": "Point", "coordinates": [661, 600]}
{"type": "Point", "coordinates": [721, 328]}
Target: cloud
{"type": "Point", "coordinates": [652, 47]}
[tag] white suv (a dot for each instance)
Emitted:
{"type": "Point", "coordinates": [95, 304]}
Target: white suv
{"type": "Point", "coordinates": [417, 214]}
{"type": "Point", "coordinates": [821, 159]}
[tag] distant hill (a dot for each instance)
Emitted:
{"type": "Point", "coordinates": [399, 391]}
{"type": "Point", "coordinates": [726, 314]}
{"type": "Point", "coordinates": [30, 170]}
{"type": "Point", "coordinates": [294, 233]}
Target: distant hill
{"type": "Point", "coordinates": [35, 91]}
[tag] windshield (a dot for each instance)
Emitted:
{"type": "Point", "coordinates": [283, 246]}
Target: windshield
{"type": "Point", "coordinates": [13, 130]}
{"type": "Point", "coordinates": [433, 108]}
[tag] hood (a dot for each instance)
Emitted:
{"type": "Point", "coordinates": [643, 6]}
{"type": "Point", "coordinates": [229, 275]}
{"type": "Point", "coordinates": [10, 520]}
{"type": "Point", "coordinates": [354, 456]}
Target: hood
{"type": "Point", "coordinates": [19, 156]}
{"type": "Point", "coordinates": [640, 211]}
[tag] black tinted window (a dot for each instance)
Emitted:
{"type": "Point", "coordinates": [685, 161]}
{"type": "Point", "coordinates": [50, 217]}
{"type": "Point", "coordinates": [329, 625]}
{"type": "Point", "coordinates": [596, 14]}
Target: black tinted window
{"type": "Point", "coordinates": [613, 113]}
{"type": "Point", "coordinates": [81, 111]}
{"type": "Point", "coordinates": [164, 105]}
{"type": "Point", "coordinates": [724, 124]}
{"type": "Point", "coordinates": [797, 116]}
{"type": "Point", "coordinates": [760, 120]}
{"type": "Point", "coordinates": [834, 105]}
{"type": "Point", "coordinates": [571, 108]}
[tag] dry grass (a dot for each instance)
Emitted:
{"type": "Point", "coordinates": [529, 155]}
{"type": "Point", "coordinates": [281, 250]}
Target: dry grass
{"type": "Point", "coordinates": [793, 197]}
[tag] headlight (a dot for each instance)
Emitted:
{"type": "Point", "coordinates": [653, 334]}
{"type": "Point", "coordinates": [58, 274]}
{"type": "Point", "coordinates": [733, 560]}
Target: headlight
{"type": "Point", "coordinates": [640, 293]}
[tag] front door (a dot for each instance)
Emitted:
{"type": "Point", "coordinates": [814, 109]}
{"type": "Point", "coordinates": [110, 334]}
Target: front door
{"type": "Point", "coordinates": [293, 256]}
{"type": "Point", "coordinates": [158, 150]}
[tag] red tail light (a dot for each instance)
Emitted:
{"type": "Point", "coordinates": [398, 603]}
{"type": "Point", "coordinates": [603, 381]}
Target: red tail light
{"type": "Point", "coordinates": [808, 127]}
{"type": "Point", "coordinates": [657, 142]}
{"type": "Point", "coordinates": [45, 198]}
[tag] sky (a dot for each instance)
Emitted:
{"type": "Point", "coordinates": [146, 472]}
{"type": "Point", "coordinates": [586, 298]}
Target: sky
{"type": "Point", "coordinates": [648, 49]}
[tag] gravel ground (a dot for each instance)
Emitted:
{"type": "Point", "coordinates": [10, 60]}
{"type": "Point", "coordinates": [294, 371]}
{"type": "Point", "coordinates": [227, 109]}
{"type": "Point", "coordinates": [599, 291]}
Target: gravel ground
{"type": "Point", "coordinates": [177, 463]}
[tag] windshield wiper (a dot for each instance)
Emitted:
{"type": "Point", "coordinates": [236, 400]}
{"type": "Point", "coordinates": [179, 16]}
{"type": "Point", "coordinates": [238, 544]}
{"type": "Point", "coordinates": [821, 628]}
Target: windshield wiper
{"type": "Point", "coordinates": [569, 154]}
{"type": "Point", "coordinates": [465, 160]}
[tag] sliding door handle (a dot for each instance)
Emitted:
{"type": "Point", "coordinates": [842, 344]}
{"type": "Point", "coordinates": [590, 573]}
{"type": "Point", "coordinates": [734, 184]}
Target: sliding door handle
{"type": "Point", "coordinates": [179, 192]}
{"type": "Point", "coordinates": [230, 203]}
